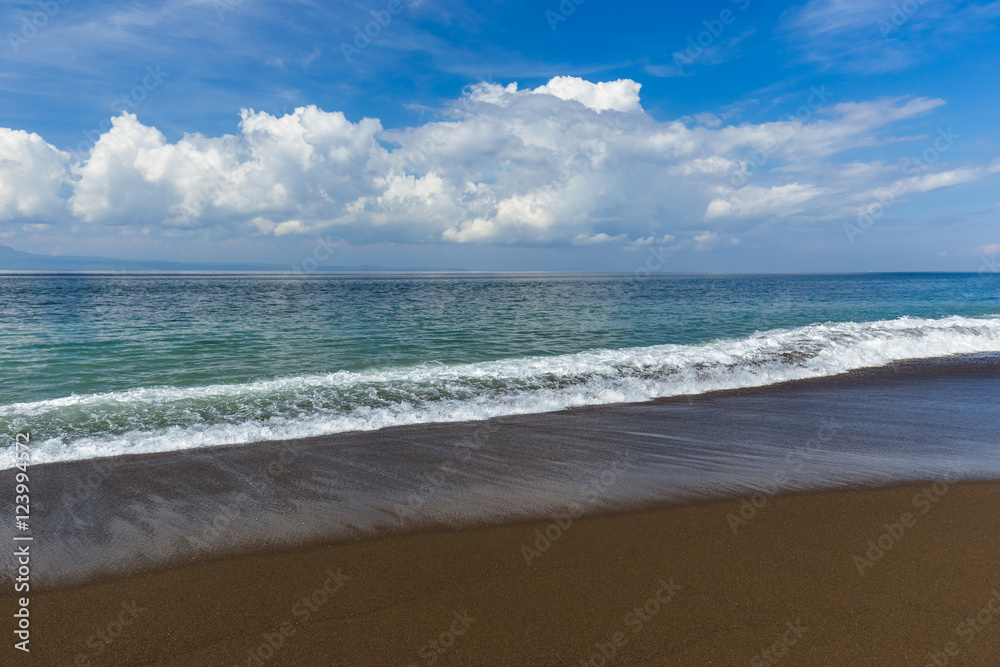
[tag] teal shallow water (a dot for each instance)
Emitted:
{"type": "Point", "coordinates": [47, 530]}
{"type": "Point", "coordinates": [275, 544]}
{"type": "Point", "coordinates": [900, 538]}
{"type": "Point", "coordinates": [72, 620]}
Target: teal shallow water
{"type": "Point", "coordinates": [104, 364]}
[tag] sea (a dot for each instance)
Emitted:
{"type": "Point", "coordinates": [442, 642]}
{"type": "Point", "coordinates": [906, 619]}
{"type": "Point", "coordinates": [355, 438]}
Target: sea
{"type": "Point", "coordinates": [100, 365]}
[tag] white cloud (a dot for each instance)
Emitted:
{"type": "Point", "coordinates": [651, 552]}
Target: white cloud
{"type": "Point", "coordinates": [288, 227]}
{"type": "Point", "coordinates": [861, 35]}
{"type": "Point", "coordinates": [709, 165]}
{"type": "Point", "coordinates": [708, 119]}
{"type": "Point", "coordinates": [876, 199]}
{"type": "Point", "coordinates": [492, 93]}
{"type": "Point", "coordinates": [32, 173]}
{"type": "Point", "coordinates": [666, 239]}
{"type": "Point", "coordinates": [706, 240]}
{"type": "Point", "coordinates": [620, 95]}
{"type": "Point", "coordinates": [583, 239]}
{"type": "Point", "coordinates": [753, 200]}
{"type": "Point", "coordinates": [307, 164]}
{"type": "Point", "coordinates": [571, 162]}
{"type": "Point", "coordinates": [943, 179]}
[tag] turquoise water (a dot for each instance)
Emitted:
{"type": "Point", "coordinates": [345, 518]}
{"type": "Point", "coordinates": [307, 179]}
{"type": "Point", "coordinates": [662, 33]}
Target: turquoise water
{"type": "Point", "coordinates": [104, 364]}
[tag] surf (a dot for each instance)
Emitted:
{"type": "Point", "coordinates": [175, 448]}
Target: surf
{"type": "Point", "coordinates": [166, 418]}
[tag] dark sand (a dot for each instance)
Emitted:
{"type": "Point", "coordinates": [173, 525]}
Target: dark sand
{"type": "Point", "coordinates": [792, 562]}
{"type": "Point", "coordinates": [728, 589]}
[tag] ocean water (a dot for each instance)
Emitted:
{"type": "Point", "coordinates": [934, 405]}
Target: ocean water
{"type": "Point", "coordinates": [100, 365]}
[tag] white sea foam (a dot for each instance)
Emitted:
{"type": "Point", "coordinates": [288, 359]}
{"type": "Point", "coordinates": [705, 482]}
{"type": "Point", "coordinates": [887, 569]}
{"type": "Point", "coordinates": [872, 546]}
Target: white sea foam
{"type": "Point", "coordinates": [169, 418]}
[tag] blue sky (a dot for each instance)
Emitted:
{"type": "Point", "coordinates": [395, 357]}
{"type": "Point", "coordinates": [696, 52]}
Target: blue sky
{"type": "Point", "coordinates": [828, 135]}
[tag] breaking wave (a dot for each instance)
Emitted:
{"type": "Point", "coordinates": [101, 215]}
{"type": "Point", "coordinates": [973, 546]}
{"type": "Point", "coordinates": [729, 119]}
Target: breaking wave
{"type": "Point", "coordinates": [169, 418]}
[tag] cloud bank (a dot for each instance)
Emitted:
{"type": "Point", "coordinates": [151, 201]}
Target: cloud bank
{"type": "Point", "coordinates": [571, 162]}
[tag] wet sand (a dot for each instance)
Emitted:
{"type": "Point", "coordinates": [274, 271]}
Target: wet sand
{"type": "Point", "coordinates": [786, 581]}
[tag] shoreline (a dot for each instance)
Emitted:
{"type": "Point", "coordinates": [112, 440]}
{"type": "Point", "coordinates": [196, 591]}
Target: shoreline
{"type": "Point", "coordinates": [674, 585]}
{"type": "Point", "coordinates": [986, 364]}
{"type": "Point", "coordinates": [922, 420]}
{"type": "Point", "coordinates": [301, 405]}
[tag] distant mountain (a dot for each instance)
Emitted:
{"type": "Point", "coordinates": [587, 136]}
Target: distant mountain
{"type": "Point", "coordinates": [15, 260]}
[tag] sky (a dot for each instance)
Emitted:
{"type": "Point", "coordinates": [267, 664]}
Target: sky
{"type": "Point", "coordinates": [582, 135]}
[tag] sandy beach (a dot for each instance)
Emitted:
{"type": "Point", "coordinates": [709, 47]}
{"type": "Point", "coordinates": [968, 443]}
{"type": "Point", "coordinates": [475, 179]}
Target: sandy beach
{"type": "Point", "coordinates": [674, 586]}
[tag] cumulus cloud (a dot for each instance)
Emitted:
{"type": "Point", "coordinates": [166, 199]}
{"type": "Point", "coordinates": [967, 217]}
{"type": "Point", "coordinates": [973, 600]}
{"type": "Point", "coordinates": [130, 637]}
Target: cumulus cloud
{"type": "Point", "coordinates": [570, 162]}
{"type": "Point", "coordinates": [620, 95]}
{"type": "Point", "coordinates": [309, 163]}
{"type": "Point", "coordinates": [32, 173]}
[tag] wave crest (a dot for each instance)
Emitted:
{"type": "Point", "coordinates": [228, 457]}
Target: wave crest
{"type": "Point", "coordinates": [169, 418]}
